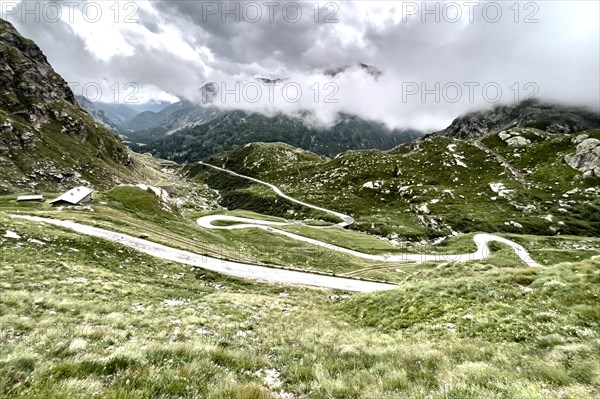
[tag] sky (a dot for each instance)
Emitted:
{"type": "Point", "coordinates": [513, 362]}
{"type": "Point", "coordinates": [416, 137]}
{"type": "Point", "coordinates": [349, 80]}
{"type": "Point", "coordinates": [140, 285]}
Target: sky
{"type": "Point", "coordinates": [438, 59]}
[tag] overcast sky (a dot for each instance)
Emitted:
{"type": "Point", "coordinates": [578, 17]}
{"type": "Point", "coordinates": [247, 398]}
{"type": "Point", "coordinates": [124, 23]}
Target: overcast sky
{"type": "Point", "coordinates": [437, 63]}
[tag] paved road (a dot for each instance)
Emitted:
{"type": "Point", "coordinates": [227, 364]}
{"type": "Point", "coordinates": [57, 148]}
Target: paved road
{"type": "Point", "coordinates": [481, 240]}
{"type": "Point", "coordinates": [273, 274]}
{"type": "Point", "coordinates": [347, 219]}
{"type": "Point", "coordinates": [252, 272]}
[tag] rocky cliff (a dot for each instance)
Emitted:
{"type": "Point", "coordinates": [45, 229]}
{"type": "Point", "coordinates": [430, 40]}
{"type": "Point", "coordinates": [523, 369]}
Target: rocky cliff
{"type": "Point", "coordinates": [47, 141]}
{"type": "Point", "coordinates": [531, 113]}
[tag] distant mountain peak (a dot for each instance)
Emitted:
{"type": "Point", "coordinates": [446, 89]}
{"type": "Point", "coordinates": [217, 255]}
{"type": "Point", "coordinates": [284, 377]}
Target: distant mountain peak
{"type": "Point", "coordinates": [271, 80]}
{"type": "Point", "coordinates": [375, 72]}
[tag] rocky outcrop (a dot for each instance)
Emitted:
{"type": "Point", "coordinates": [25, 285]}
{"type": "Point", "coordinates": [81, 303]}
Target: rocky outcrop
{"type": "Point", "coordinates": [513, 138]}
{"type": "Point", "coordinates": [45, 135]}
{"type": "Point", "coordinates": [531, 113]}
{"type": "Point", "coordinates": [26, 73]}
{"type": "Point", "coordinates": [586, 158]}
{"type": "Point", "coordinates": [579, 138]}
{"type": "Point", "coordinates": [517, 141]}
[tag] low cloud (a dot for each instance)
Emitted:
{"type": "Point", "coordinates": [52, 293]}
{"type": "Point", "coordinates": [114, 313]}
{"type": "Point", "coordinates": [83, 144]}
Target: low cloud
{"type": "Point", "coordinates": [436, 63]}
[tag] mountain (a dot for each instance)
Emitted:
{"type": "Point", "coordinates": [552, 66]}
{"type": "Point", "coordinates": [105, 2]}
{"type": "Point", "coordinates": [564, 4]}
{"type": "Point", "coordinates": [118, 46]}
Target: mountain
{"type": "Point", "coordinates": [231, 129]}
{"type": "Point", "coordinates": [145, 123]}
{"type": "Point", "coordinates": [150, 126]}
{"type": "Point", "coordinates": [125, 111]}
{"type": "Point", "coordinates": [98, 114]}
{"type": "Point", "coordinates": [518, 180]}
{"type": "Point", "coordinates": [48, 142]}
{"type": "Point", "coordinates": [115, 116]}
{"type": "Point", "coordinates": [533, 113]}
{"type": "Point", "coordinates": [370, 69]}
{"type": "Point", "coordinates": [151, 120]}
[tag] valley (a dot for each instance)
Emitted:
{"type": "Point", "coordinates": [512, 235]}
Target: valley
{"type": "Point", "coordinates": [127, 311]}
{"type": "Point", "coordinates": [204, 251]}
{"type": "Point", "coordinates": [124, 315]}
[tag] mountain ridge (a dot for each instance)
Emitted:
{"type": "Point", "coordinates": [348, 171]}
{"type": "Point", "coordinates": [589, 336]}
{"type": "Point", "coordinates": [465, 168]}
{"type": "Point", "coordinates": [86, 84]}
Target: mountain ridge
{"type": "Point", "coordinates": [231, 129]}
{"type": "Point", "coordinates": [533, 113]}
{"type": "Point", "coordinates": [48, 142]}
{"type": "Point", "coordinates": [440, 186]}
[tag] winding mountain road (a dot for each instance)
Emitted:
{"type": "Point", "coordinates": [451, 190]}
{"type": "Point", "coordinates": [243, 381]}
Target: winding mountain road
{"type": "Point", "coordinates": [277, 274]}
{"type": "Point", "coordinates": [347, 219]}
{"type": "Point", "coordinates": [481, 240]}
{"type": "Point", "coordinates": [243, 270]}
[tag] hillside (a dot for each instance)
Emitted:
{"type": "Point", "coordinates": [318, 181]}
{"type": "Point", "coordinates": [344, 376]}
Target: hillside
{"type": "Point", "coordinates": [521, 180]}
{"type": "Point", "coordinates": [106, 320]}
{"type": "Point", "coordinates": [271, 159]}
{"type": "Point", "coordinates": [48, 142]}
{"type": "Point", "coordinates": [533, 113]}
{"type": "Point", "coordinates": [135, 325]}
{"type": "Point", "coordinates": [236, 128]}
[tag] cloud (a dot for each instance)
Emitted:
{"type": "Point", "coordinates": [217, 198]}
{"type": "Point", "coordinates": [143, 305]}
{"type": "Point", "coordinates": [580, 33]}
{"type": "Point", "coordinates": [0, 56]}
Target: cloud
{"type": "Point", "coordinates": [438, 62]}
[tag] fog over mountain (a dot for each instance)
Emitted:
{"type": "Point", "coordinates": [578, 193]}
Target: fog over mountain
{"type": "Point", "coordinates": [435, 63]}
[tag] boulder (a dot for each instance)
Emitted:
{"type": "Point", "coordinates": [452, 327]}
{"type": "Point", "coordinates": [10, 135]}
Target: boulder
{"type": "Point", "coordinates": [6, 127]}
{"type": "Point", "coordinates": [504, 136]}
{"type": "Point", "coordinates": [579, 138]}
{"type": "Point", "coordinates": [368, 184]}
{"type": "Point", "coordinates": [517, 141]}
{"type": "Point", "coordinates": [27, 140]}
{"type": "Point", "coordinates": [586, 158]}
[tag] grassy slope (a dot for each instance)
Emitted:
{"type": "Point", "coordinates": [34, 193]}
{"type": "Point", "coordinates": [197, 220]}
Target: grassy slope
{"type": "Point", "coordinates": [430, 172]}
{"type": "Point", "coordinates": [81, 318]}
{"type": "Point", "coordinates": [93, 157]}
{"type": "Point", "coordinates": [271, 159]}
{"type": "Point", "coordinates": [239, 193]}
